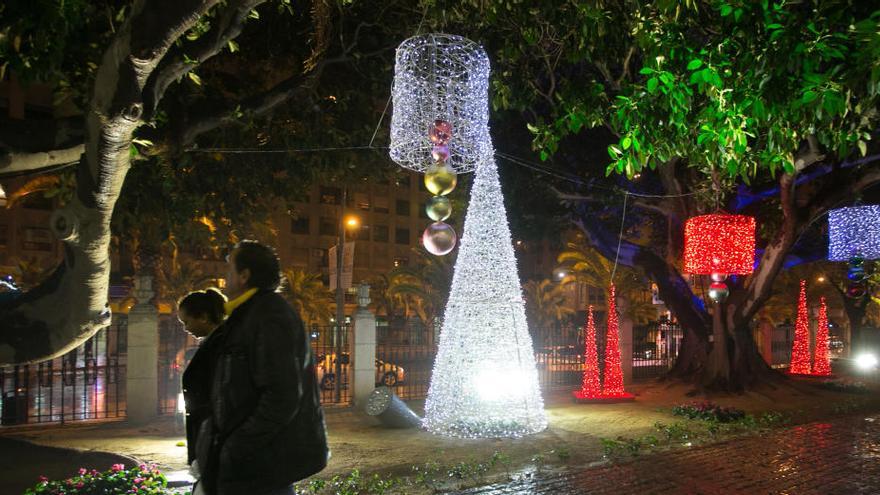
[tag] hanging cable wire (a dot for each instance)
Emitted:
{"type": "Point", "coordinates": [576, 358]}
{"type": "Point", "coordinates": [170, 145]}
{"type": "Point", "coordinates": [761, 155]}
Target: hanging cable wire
{"type": "Point", "coordinates": [388, 102]}
{"type": "Point", "coordinates": [619, 237]}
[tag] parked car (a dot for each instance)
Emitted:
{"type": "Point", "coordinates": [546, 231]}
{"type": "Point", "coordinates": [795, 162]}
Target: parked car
{"type": "Point", "coordinates": [560, 358]}
{"type": "Point", "coordinates": [387, 374]}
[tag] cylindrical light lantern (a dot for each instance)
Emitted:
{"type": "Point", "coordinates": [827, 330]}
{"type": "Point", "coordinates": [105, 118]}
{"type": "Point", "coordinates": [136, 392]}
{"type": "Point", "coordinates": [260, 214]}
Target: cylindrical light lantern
{"type": "Point", "coordinates": [854, 236]}
{"type": "Point", "coordinates": [854, 232]}
{"type": "Point", "coordinates": [440, 103]}
{"type": "Point", "coordinates": [719, 245]}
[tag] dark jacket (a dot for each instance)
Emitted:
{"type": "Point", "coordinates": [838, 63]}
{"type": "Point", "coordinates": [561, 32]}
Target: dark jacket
{"type": "Point", "coordinates": [266, 429]}
{"type": "Point", "coordinates": [196, 385]}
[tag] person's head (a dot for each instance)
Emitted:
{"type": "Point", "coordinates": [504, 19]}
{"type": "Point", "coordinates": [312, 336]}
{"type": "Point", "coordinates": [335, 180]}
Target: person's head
{"type": "Point", "coordinates": [201, 311]}
{"type": "Point", "coordinates": [252, 265]}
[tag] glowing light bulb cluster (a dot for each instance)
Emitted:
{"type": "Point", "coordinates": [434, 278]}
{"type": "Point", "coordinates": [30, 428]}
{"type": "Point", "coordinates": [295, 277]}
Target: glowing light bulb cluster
{"type": "Point", "coordinates": [590, 386]}
{"type": "Point", "coordinates": [485, 382]}
{"type": "Point", "coordinates": [854, 232]}
{"type": "Point", "coordinates": [440, 78]}
{"type": "Point", "coordinates": [854, 236]}
{"type": "Point", "coordinates": [821, 357]}
{"type": "Point", "coordinates": [612, 385]}
{"type": "Point", "coordinates": [719, 245]}
{"type": "Point", "coordinates": [800, 350]}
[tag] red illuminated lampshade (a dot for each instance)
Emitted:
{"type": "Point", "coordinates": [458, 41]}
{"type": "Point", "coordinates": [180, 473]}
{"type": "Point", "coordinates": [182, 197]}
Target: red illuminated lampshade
{"type": "Point", "coordinates": [719, 243]}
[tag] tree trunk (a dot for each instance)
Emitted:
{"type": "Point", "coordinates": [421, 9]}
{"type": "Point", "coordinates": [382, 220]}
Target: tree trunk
{"type": "Point", "coordinates": [855, 312]}
{"type": "Point", "coordinates": [71, 305]}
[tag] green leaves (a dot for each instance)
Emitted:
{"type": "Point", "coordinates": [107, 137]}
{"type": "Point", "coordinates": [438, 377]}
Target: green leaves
{"type": "Point", "coordinates": [694, 64]}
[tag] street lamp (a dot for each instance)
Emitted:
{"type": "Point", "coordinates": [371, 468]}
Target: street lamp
{"type": "Point", "coordinates": [821, 278]}
{"type": "Point", "coordinates": [351, 222]}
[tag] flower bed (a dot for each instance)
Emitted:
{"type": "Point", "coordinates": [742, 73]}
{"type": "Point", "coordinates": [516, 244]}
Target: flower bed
{"type": "Point", "coordinates": [709, 411]}
{"type": "Point", "coordinates": [140, 480]}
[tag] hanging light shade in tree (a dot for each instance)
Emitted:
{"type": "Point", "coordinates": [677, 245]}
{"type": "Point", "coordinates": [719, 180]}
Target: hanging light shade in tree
{"type": "Point", "coordinates": [854, 232]}
{"type": "Point", "coordinates": [719, 244]}
{"type": "Point", "coordinates": [440, 105]}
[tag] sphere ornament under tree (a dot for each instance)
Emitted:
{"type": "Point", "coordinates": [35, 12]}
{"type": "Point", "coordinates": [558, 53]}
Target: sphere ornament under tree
{"type": "Point", "coordinates": [440, 103]}
{"type": "Point", "coordinates": [439, 238]}
{"type": "Point", "coordinates": [438, 208]}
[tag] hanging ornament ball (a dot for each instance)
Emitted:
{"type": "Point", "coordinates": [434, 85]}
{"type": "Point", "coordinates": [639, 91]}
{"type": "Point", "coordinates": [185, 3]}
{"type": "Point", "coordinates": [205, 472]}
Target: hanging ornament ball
{"type": "Point", "coordinates": [719, 277]}
{"type": "Point", "coordinates": [439, 238]}
{"type": "Point", "coordinates": [856, 274]}
{"type": "Point", "coordinates": [440, 152]}
{"type": "Point", "coordinates": [438, 208]}
{"type": "Point", "coordinates": [855, 291]}
{"type": "Point", "coordinates": [440, 132]}
{"type": "Point", "coordinates": [440, 179]}
{"type": "Point", "coordinates": [856, 261]}
{"type": "Point", "coordinates": [718, 291]}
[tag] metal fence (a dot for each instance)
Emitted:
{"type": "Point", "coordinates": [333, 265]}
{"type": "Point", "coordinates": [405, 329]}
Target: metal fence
{"type": "Point", "coordinates": [176, 349]}
{"type": "Point", "coordinates": [326, 342]}
{"type": "Point", "coordinates": [87, 383]}
{"type": "Point", "coordinates": [655, 349]}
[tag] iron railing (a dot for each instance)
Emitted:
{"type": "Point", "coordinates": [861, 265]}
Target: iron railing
{"type": "Point", "coordinates": [83, 384]}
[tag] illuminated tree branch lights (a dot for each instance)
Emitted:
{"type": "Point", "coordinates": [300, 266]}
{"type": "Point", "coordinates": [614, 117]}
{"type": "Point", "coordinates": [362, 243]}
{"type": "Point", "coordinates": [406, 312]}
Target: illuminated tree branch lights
{"type": "Point", "coordinates": [590, 386]}
{"type": "Point", "coordinates": [800, 351]}
{"type": "Point", "coordinates": [821, 357]}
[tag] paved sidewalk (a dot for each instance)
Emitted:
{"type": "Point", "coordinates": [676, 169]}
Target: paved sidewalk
{"type": "Point", "coordinates": [841, 456]}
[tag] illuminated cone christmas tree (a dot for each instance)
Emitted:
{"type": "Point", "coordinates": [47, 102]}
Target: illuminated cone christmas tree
{"type": "Point", "coordinates": [590, 387]}
{"type": "Point", "coordinates": [821, 358]}
{"type": "Point", "coordinates": [800, 351]}
{"type": "Point", "coordinates": [612, 385]}
{"type": "Point", "coordinates": [484, 382]}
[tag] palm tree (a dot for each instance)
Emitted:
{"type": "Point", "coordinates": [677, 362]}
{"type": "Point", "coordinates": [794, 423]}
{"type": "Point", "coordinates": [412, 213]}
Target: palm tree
{"type": "Point", "coordinates": [423, 287]}
{"type": "Point", "coordinates": [586, 265]}
{"type": "Point", "coordinates": [546, 304]}
{"type": "Point", "coordinates": [308, 296]}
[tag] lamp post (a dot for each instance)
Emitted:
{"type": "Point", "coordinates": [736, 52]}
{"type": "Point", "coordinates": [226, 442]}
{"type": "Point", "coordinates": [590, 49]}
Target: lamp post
{"type": "Point", "coordinates": [344, 222]}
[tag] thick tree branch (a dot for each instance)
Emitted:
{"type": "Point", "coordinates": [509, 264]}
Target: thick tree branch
{"type": "Point", "coordinates": [71, 305]}
{"type": "Point", "coordinates": [184, 58]}
{"type": "Point", "coordinates": [13, 164]}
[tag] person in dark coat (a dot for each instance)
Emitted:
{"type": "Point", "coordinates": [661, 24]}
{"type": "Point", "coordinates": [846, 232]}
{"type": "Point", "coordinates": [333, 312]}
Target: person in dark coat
{"type": "Point", "coordinates": [201, 313]}
{"type": "Point", "coordinates": [266, 429]}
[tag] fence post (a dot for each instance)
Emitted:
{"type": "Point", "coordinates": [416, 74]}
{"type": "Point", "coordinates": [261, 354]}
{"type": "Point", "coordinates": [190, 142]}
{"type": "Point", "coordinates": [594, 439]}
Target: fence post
{"type": "Point", "coordinates": [625, 332]}
{"type": "Point", "coordinates": [363, 349]}
{"type": "Point", "coordinates": [765, 334]}
{"type": "Point", "coordinates": [142, 377]}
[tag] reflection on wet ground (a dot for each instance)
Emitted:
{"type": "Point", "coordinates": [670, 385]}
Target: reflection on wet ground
{"type": "Point", "coordinates": [833, 457]}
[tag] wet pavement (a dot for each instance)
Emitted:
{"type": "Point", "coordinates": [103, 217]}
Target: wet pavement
{"type": "Point", "coordinates": [833, 457]}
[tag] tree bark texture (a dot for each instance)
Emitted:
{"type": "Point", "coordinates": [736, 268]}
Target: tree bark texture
{"type": "Point", "coordinates": [71, 305]}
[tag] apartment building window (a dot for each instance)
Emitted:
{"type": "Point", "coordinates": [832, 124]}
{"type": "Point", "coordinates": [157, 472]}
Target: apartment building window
{"type": "Point", "coordinates": [380, 204]}
{"type": "Point", "coordinates": [329, 226]}
{"type": "Point", "coordinates": [403, 181]}
{"type": "Point", "coordinates": [362, 201]}
{"type": "Point", "coordinates": [380, 233]}
{"type": "Point", "coordinates": [402, 207]}
{"type": "Point", "coordinates": [300, 226]}
{"type": "Point", "coordinates": [330, 195]}
{"type": "Point", "coordinates": [4, 235]}
{"type": "Point", "coordinates": [36, 239]}
{"type": "Point", "coordinates": [401, 236]}
{"type": "Point", "coordinates": [400, 261]}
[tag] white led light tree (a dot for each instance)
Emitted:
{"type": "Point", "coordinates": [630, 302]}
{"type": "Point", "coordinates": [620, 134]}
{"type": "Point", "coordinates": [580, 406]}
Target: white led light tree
{"type": "Point", "coordinates": [484, 382]}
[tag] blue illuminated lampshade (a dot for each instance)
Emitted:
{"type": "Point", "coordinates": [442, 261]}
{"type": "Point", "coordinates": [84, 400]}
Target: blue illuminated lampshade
{"type": "Point", "coordinates": [854, 231]}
